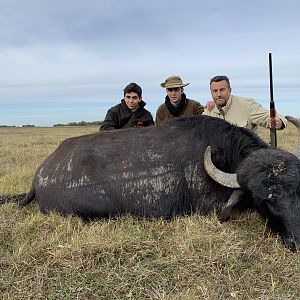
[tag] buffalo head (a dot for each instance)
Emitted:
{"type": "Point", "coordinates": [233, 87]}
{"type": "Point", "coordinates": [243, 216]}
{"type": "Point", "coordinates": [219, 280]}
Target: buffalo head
{"type": "Point", "coordinates": [270, 180]}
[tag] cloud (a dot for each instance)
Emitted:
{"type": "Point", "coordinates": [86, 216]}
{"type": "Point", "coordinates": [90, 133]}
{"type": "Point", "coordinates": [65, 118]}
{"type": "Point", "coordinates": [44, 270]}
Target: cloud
{"type": "Point", "coordinates": [76, 52]}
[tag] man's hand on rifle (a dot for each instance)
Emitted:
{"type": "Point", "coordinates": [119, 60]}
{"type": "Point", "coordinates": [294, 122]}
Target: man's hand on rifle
{"type": "Point", "coordinates": [278, 123]}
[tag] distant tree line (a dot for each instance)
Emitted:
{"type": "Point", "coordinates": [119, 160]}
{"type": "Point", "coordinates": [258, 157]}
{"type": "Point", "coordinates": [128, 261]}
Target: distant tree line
{"type": "Point", "coordinates": [13, 126]}
{"type": "Point", "coordinates": [81, 123]}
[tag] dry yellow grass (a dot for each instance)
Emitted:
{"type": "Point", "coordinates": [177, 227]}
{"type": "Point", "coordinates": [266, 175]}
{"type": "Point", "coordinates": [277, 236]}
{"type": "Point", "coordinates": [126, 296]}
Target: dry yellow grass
{"type": "Point", "coordinates": [195, 257]}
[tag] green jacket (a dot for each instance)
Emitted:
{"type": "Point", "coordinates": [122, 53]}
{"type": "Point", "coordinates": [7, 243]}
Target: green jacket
{"type": "Point", "coordinates": [120, 116]}
{"type": "Point", "coordinates": [191, 108]}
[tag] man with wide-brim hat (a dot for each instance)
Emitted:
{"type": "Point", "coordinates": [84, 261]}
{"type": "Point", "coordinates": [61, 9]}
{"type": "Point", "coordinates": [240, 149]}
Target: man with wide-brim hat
{"type": "Point", "coordinates": [173, 82]}
{"type": "Point", "coordinates": [176, 103]}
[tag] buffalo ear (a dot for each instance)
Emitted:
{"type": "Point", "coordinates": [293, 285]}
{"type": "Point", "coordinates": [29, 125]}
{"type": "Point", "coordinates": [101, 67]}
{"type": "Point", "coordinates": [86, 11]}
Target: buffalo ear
{"type": "Point", "coordinates": [228, 208]}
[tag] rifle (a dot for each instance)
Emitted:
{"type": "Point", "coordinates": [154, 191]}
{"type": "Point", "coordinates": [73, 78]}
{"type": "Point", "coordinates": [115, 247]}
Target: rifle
{"type": "Point", "coordinates": [272, 107]}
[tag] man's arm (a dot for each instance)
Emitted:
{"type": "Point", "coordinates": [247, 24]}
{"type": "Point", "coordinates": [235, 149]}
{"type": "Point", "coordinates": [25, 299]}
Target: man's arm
{"type": "Point", "coordinates": [261, 116]}
{"type": "Point", "coordinates": [198, 108]}
{"type": "Point", "coordinates": [280, 122]}
{"type": "Point", "coordinates": [159, 116]}
{"type": "Point", "coordinates": [110, 122]}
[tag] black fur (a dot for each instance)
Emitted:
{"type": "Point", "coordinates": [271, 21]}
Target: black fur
{"type": "Point", "coordinates": [159, 172]}
{"type": "Point", "coordinates": [272, 178]}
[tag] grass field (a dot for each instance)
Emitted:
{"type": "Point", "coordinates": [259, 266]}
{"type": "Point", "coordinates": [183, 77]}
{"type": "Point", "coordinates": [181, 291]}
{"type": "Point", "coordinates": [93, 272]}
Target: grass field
{"type": "Point", "coordinates": [54, 257]}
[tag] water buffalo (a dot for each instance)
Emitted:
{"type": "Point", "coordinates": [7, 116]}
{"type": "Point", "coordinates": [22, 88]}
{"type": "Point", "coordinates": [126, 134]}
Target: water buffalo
{"type": "Point", "coordinates": [189, 165]}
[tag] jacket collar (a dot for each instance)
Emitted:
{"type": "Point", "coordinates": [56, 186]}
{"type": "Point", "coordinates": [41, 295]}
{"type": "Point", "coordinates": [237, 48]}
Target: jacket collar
{"type": "Point", "coordinates": [176, 110]}
{"type": "Point", "coordinates": [218, 110]}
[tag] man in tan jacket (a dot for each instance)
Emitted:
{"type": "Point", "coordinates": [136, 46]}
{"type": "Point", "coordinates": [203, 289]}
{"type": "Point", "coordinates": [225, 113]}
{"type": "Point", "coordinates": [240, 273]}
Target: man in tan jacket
{"type": "Point", "coordinates": [176, 103]}
{"type": "Point", "coordinates": [240, 111]}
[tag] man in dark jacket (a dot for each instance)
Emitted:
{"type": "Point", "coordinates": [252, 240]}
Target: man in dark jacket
{"type": "Point", "coordinates": [176, 103]}
{"type": "Point", "coordinates": [130, 112]}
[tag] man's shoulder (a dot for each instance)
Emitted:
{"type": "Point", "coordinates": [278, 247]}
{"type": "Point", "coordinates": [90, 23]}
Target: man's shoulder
{"type": "Point", "coordinates": [162, 106]}
{"type": "Point", "coordinates": [242, 99]}
{"type": "Point", "coordinates": [245, 102]}
{"type": "Point", "coordinates": [196, 105]}
{"type": "Point", "coordinates": [193, 101]}
{"type": "Point", "coordinates": [145, 111]}
{"type": "Point", "coordinates": [116, 107]}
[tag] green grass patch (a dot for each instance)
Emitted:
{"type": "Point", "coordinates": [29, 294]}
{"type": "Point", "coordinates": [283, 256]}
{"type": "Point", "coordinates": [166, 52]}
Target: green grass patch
{"type": "Point", "coordinates": [194, 257]}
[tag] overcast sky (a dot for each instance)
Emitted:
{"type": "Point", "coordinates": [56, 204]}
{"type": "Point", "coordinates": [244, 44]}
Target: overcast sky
{"type": "Point", "coordinates": [65, 61]}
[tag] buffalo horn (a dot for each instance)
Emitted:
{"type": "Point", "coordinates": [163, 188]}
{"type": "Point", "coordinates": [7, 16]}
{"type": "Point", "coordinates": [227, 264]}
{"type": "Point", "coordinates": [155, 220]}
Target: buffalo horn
{"type": "Point", "coordinates": [296, 122]}
{"type": "Point", "coordinates": [225, 179]}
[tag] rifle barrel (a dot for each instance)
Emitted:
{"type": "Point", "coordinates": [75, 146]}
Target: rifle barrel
{"type": "Point", "coordinates": [272, 107]}
{"type": "Point", "coordinates": [271, 79]}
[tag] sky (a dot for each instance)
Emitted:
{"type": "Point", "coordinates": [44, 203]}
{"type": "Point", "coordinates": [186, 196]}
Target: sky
{"type": "Point", "coordinates": [69, 61]}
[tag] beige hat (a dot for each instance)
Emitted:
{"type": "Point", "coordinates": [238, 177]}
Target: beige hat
{"type": "Point", "coordinates": [173, 82]}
